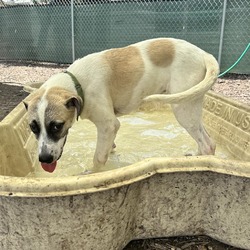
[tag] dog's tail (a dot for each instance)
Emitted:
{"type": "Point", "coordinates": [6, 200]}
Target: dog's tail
{"type": "Point", "coordinates": [212, 71]}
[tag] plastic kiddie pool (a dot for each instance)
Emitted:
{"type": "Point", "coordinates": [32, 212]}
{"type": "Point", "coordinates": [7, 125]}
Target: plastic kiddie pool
{"type": "Point", "coordinates": [141, 194]}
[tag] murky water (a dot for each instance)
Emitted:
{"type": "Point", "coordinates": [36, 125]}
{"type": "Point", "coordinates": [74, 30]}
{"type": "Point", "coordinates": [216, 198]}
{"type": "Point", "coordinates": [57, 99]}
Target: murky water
{"type": "Point", "coordinates": [142, 135]}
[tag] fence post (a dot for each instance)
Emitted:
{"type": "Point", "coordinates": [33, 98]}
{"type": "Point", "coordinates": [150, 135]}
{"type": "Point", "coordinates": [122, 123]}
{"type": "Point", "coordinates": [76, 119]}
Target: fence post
{"type": "Point", "coordinates": [72, 30]}
{"type": "Point", "coordinates": [222, 31]}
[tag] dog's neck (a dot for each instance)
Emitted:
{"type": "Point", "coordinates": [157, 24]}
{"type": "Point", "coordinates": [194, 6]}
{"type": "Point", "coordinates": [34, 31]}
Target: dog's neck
{"type": "Point", "coordinates": [78, 86]}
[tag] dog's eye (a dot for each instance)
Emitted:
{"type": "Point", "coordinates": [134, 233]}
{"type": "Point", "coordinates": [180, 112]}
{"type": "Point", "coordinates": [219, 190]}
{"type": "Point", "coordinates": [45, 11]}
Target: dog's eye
{"type": "Point", "coordinates": [35, 127]}
{"type": "Point", "coordinates": [56, 127]}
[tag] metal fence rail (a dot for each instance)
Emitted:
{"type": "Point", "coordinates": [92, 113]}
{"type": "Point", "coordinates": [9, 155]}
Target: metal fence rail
{"type": "Point", "coordinates": [62, 30]}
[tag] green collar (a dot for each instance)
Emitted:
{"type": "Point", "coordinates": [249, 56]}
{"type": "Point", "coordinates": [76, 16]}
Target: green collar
{"type": "Point", "coordinates": [77, 85]}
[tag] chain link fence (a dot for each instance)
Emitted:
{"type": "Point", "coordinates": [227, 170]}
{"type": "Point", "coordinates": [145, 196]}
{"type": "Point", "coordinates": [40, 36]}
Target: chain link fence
{"type": "Point", "coordinates": [63, 30]}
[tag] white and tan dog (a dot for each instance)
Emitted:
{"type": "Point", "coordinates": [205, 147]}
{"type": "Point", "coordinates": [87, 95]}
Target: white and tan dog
{"type": "Point", "coordinates": [104, 85]}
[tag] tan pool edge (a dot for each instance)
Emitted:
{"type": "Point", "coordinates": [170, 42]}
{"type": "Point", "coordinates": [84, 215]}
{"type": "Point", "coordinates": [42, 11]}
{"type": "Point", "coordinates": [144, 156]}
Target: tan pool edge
{"type": "Point", "coordinates": [72, 185]}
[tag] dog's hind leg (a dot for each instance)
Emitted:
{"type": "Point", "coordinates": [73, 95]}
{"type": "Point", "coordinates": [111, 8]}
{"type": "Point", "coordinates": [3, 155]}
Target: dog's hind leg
{"type": "Point", "coordinates": [189, 115]}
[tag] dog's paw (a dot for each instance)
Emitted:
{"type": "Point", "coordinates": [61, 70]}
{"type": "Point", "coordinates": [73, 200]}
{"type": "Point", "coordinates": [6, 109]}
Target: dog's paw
{"type": "Point", "coordinates": [85, 172]}
{"type": "Point", "coordinates": [190, 152]}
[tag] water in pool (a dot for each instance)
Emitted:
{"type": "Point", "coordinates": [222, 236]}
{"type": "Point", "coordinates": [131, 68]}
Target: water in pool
{"type": "Point", "coordinates": [142, 135]}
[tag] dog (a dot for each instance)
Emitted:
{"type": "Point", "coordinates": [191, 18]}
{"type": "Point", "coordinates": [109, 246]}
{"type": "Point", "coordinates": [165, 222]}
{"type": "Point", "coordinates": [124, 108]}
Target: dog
{"type": "Point", "coordinates": [104, 85]}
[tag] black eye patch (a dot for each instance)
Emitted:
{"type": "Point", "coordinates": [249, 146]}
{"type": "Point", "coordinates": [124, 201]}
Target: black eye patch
{"type": "Point", "coordinates": [54, 130]}
{"type": "Point", "coordinates": [56, 127]}
{"type": "Point", "coordinates": [35, 128]}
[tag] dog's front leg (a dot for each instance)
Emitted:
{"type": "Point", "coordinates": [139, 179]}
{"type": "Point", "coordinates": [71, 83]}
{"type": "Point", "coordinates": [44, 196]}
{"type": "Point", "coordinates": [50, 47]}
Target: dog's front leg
{"type": "Point", "coordinates": [106, 133]}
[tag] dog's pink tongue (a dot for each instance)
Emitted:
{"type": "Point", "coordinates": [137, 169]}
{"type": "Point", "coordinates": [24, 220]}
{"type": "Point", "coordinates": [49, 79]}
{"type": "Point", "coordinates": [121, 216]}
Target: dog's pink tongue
{"type": "Point", "coordinates": [49, 167]}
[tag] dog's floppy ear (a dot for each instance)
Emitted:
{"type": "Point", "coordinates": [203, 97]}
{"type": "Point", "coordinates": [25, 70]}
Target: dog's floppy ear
{"type": "Point", "coordinates": [75, 102]}
{"type": "Point", "coordinates": [26, 105]}
{"type": "Point", "coordinates": [33, 97]}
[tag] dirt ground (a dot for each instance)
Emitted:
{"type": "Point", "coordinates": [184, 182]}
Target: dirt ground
{"type": "Point", "coordinates": [13, 76]}
{"type": "Point", "coordinates": [10, 96]}
{"type": "Point", "coordinates": [179, 243]}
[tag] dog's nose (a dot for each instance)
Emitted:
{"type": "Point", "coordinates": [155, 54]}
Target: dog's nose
{"type": "Point", "coordinates": [45, 158]}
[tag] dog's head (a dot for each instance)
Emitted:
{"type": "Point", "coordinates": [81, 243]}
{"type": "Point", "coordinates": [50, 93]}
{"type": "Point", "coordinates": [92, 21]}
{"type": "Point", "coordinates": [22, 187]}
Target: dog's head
{"type": "Point", "coordinates": [51, 113]}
